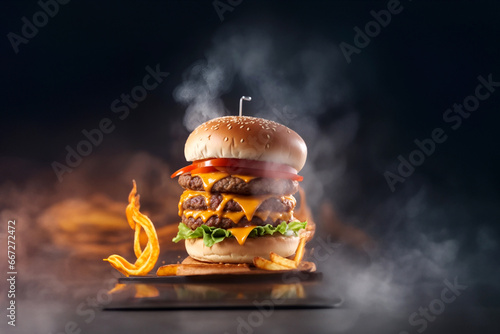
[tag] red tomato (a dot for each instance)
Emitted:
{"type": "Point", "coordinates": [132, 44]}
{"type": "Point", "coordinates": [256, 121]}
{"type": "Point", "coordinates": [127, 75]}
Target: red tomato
{"type": "Point", "coordinates": [183, 170]}
{"type": "Point", "coordinates": [243, 163]}
{"type": "Point", "coordinates": [199, 170]}
{"type": "Point", "coordinates": [242, 167]}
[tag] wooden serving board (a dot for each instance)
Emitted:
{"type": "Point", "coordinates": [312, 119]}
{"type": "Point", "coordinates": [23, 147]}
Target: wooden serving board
{"type": "Point", "coordinates": [191, 271]}
{"type": "Point", "coordinates": [195, 267]}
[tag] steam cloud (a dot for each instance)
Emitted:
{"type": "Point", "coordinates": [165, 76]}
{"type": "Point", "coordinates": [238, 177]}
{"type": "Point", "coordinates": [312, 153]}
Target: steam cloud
{"type": "Point", "coordinates": [294, 81]}
{"type": "Point", "coordinates": [288, 81]}
{"type": "Point", "coordinates": [297, 82]}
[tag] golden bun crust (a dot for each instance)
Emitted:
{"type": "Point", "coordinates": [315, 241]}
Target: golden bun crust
{"type": "Point", "coordinates": [229, 251]}
{"type": "Point", "coordinates": [245, 137]}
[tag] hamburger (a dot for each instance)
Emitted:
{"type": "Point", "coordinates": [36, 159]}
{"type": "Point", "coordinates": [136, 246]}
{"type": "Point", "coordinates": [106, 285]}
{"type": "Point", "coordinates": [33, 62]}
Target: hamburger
{"type": "Point", "coordinates": [238, 192]}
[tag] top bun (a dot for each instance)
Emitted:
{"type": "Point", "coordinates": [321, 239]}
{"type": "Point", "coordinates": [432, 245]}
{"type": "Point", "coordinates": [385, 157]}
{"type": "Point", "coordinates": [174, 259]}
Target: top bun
{"type": "Point", "coordinates": [245, 137]}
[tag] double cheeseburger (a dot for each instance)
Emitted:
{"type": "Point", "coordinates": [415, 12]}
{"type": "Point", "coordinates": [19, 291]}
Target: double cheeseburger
{"type": "Point", "coordinates": [238, 199]}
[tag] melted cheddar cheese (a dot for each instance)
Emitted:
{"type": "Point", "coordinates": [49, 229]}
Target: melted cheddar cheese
{"type": "Point", "coordinates": [209, 179]}
{"type": "Point", "coordinates": [241, 233]}
{"type": "Point", "coordinates": [248, 204]}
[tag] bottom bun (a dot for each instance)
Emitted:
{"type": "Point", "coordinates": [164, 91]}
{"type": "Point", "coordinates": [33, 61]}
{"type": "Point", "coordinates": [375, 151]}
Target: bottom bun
{"type": "Point", "coordinates": [229, 251]}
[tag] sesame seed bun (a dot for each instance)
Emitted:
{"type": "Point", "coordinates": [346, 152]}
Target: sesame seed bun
{"type": "Point", "coordinates": [245, 137]}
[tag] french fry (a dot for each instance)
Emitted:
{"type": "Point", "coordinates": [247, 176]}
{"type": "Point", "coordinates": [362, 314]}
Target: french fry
{"type": "Point", "coordinates": [283, 261]}
{"type": "Point", "coordinates": [262, 263]}
{"type": "Point", "coordinates": [168, 270]}
{"type": "Point", "coordinates": [299, 253]}
{"type": "Point", "coordinates": [146, 258]}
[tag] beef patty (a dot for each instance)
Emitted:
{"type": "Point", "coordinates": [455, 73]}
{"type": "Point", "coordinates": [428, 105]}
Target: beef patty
{"type": "Point", "coordinates": [226, 223]}
{"type": "Point", "coordinates": [235, 185]}
{"type": "Point", "coordinates": [273, 204]}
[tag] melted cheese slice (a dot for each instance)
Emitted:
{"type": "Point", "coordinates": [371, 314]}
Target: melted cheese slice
{"type": "Point", "coordinates": [246, 178]}
{"type": "Point", "coordinates": [241, 233]}
{"type": "Point", "coordinates": [249, 205]}
{"type": "Point", "coordinates": [209, 179]}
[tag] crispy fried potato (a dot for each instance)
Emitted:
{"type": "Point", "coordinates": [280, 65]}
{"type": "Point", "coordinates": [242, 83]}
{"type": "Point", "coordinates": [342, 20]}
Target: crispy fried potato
{"type": "Point", "coordinates": [146, 258]}
{"type": "Point", "coordinates": [299, 253]}
{"type": "Point", "coordinates": [262, 263]}
{"type": "Point", "coordinates": [168, 270]}
{"type": "Point", "coordinates": [283, 261]}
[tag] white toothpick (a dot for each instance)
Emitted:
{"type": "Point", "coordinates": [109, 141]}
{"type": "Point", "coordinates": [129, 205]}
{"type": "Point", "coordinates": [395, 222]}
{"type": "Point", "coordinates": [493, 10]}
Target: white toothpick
{"type": "Point", "coordinates": [246, 98]}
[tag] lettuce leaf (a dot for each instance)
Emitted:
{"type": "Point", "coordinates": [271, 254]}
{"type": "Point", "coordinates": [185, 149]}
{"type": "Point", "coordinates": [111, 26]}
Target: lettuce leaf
{"type": "Point", "coordinates": [213, 235]}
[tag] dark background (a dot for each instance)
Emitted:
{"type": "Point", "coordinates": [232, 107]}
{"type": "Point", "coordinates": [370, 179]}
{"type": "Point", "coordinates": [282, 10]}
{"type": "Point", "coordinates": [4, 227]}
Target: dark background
{"type": "Point", "coordinates": [65, 78]}
{"type": "Point", "coordinates": [424, 61]}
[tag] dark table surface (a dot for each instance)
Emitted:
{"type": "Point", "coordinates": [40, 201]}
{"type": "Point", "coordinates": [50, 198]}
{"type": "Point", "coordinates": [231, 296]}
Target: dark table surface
{"type": "Point", "coordinates": [367, 303]}
{"type": "Point", "coordinates": [62, 317]}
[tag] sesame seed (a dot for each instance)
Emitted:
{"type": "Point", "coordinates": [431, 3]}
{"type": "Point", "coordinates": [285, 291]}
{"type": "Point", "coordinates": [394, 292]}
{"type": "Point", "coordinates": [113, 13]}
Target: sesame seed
{"type": "Point", "coordinates": [225, 138]}
{"type": "Point", "coordinates": [288, 131]}
{"type": "Point", "coordinates": [248, 129]}
{"type": "Point", "coordinates": [242, 140]}
{"type": "Point", "coordinates": [268, 136]}
{"type": "Point", "coordinates": [241, 127]}
{"type": "Point", "coordinates": [267, 145]}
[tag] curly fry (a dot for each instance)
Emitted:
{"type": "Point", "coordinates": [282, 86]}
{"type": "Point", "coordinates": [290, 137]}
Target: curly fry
{"type": "Point", "coordinates": [146, 258]}
{"type": "Point", "coordinates": [137, 244]}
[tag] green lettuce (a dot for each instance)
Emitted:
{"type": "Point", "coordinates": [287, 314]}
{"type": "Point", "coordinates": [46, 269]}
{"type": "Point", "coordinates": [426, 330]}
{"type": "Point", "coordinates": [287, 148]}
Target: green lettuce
{"type": "Point", "coordinates": [213, 235]}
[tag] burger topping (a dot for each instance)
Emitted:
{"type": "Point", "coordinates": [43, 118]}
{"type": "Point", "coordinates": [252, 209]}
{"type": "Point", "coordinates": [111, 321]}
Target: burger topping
{"type": "Point", "coordinates": [241, 167]}
{"type": "Point", "coordinates": [213, 235]}
{"type": "Point", "coordinates": [241, 233]}
{"type": "Point", "coordinates": [248, 204]}
{"type": "Point", "coordinates": [238, 184]}
{"type": "Point", "coordinates": [209, 179]}
{"type": "Point", "coordinates": [233, 219]}
{"type": "Point", "coordinates": [246, 178]}
{"type": "Point", "coordinates": [212, 201]}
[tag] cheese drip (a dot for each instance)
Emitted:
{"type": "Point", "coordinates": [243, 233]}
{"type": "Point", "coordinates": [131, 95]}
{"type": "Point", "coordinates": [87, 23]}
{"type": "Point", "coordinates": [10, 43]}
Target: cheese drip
{"type": "Point", "coordinates": [248, 204]}
{"type": "Point", "coordinates": [209, 179]}
{"type": "Point", "coordinates": [241, 233]}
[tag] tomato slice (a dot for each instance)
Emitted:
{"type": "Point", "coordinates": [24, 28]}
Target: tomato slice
{"type": "Point", "coordinates": [199, 170]}
{"type": "Point", "coordinates": [183, 170]}
{"type": "Point", "coordinates": [242, 167]}
{"type": "Point", "coordinates": [243, 163]}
